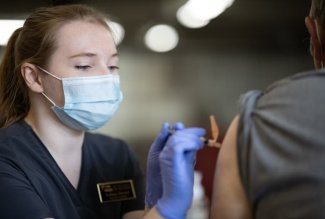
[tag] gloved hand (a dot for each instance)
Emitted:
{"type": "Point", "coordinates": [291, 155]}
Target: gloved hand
{"type": "Point", "coordinates": [177, 170]}
{"type": "Point", "coordinates": [153, 179]}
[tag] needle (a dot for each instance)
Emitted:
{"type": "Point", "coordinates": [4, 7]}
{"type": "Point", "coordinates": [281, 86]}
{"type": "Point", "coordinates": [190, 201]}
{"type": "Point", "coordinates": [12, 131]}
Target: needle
{"type": "Point", "coordinates": [214, 133]}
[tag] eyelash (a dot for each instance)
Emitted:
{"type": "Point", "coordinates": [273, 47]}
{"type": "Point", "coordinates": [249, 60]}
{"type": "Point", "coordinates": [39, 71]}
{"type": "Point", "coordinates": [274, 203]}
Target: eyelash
{"type": "Point", "coordinates": [82, 67]}
{"type": "Point", "coordinates": [86, 67]}
{"type": "Point", "coordinates": [113, 68]}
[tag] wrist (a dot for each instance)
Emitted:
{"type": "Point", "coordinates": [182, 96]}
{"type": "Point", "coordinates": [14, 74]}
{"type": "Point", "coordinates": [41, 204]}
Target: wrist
{"type": "Point", "coordinates": [153, 193]}
{"type": "Point", "coordinates": [170, 211]}
{"type": "Point", "coordinates": [148, 201]}
{"type": "Point", "coordinates": [152, 214]}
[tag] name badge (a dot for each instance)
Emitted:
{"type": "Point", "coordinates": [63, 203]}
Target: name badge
{"type": "Point", "coordinates": [116, 191]}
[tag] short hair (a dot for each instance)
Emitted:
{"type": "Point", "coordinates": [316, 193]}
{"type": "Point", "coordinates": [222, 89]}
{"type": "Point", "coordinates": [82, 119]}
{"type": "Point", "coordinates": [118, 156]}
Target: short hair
{"type": "Point", "coordinates": [317, 11]}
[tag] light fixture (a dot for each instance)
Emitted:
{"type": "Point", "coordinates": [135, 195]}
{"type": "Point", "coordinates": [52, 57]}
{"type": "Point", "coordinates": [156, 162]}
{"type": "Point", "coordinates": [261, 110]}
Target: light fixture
{"type": "Point", "coordinates": [161, 38]}
{"type": "Point", "coordinates": [198, 13]}
{"type": "Point", "coordinates": [185, 17]}
{"type": "Point", "coordinates": [207, 9]}
{"type": "Point", "coordinates": [117, 31]}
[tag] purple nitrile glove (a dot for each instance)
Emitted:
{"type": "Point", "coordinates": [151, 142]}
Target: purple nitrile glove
{"type": "Point", "coordinates": [177, 171]}
{"type": "Point", "coordinates": [153, 179]}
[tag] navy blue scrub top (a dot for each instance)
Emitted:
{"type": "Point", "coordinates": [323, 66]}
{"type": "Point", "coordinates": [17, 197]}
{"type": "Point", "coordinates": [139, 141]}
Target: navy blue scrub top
{"type": "Point", "coordinates": [33, 186]}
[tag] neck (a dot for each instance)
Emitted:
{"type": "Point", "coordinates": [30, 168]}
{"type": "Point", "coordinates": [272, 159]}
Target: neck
{"type": "Point", "coordinates": [57, 137]}
{"type": "Point", "coordinates": [63, 143]}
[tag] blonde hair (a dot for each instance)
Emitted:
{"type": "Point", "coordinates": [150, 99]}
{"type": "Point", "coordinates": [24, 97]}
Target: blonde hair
{"type": "Point", "coordinates": [34, 43]}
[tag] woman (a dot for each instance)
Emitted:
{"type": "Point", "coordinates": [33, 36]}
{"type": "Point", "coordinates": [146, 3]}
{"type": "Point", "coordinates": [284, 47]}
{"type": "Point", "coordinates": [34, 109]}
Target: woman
{"type": "Point", "coordinates": [59, 79]}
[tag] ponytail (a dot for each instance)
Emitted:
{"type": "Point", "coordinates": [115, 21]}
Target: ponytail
{"type": "Point", "coordinates": [14, 102]}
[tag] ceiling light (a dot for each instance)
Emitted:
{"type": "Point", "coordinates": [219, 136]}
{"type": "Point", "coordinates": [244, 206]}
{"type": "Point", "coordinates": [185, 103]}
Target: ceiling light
{"type": "Point", "coordinates": [207, 9]}
{"type": "Point", "coordinates": [185, 17]}
{"type": "Point", "coordinates": [7, 27]}
{"type": "Point", "coordinates": [117, 31]}
{"type": "Point", "coordinates": [161, 38]}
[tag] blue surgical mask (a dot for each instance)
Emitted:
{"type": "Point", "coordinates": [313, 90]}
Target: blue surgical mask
{"type": "Point", "coordinates": [89, 102]}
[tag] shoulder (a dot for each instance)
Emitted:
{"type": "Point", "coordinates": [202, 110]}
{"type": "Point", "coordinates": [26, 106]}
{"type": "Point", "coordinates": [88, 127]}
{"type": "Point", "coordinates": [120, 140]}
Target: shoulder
{"type": "Point", "coordinates": [285, 104]}
{"type": "Point", "coordinates": [14, 131]}
{"type": "Point", "coordinates": [315, 77]}
{"type": "Point", "coordinates": [297, 89]}
{"type": "Point", "coordinates": [18, 149]}
{"type": "Point", "coordinates": [12, 137]}
{"type": "Point", "coordinates": [298, 86]}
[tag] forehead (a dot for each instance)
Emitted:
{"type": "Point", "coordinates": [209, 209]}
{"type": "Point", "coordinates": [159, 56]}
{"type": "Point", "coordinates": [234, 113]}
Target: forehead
{"type": "Point", "coordinates": [84, 36]}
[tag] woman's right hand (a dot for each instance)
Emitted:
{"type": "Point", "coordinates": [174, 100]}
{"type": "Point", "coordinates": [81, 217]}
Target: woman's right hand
{"type": "Point", "coordinates": [154, 184]}
{"type": "Point", "coordinates": [177, 160]}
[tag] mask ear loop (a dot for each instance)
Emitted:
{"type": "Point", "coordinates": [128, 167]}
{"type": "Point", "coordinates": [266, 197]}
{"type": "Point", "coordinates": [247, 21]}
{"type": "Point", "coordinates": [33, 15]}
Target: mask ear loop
{"type": "Point", "coordinates": [48, 99]}
{"type": "Point", "coordinates": [51, 101]}
{"type": "Point", "coordinates": [54, 76]}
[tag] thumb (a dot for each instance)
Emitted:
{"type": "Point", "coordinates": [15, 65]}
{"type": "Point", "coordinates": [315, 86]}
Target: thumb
{"type": "Point", "coordinates": [190, 157]}
{"type": "Point", "coordinates": [162, 137]}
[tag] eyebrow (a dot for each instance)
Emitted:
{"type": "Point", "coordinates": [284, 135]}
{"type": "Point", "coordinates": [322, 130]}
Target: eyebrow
{"type": "Point", "coordinates": [89, 54]}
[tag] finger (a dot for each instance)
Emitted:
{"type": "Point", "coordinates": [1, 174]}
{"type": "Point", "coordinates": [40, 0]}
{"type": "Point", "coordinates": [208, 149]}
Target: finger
{"type": "Point", "coordinates": [162, 137]}
{"type": "Point", "coordinates": [190, 157]}
{"type": "Point", "coordinates": [200, 132]}
{"type": "Point", "coordinates": [181, 143]}
{"type": "Point", "coordinates": [186, 160]}
{"type": "Point", "coordinates": [178, 126]}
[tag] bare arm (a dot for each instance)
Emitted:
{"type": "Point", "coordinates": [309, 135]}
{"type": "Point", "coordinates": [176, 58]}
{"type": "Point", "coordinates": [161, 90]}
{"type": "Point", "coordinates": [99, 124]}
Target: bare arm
{"type": "Point", "coordinates": [229, 200]}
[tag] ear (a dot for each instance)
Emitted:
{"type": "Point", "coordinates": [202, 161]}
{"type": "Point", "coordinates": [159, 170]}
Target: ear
{"type": "Point", "coordinates": [316, 38]}
{"type": "Point", "coordinates": [31, 76]}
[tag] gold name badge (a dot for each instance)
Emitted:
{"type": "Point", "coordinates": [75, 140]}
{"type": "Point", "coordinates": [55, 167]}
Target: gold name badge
{"type": "Point", "coordinates": [116, 191]}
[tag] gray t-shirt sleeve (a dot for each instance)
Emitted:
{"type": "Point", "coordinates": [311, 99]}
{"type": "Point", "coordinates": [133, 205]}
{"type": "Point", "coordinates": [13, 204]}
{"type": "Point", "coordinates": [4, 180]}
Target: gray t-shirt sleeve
{"type": "Point", "coordinates": [281, 148]}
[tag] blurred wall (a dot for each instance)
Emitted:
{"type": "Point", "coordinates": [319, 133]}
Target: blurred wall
{"type": "Point", "coordinates": [189, 86]}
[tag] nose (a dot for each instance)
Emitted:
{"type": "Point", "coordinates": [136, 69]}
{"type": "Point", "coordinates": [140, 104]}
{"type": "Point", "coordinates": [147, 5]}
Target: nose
{"type": "Point", "coordinates": [104, 70]}
{"type": "Point", "coordinates": [108, 70]}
